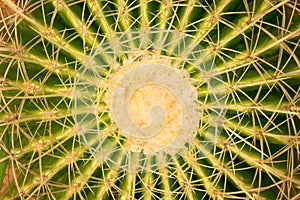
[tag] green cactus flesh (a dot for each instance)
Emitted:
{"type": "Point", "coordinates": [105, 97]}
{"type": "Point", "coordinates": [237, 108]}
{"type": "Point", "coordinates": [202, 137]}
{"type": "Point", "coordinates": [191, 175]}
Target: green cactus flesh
{"type": "Point", "coordinates": [240, 58]}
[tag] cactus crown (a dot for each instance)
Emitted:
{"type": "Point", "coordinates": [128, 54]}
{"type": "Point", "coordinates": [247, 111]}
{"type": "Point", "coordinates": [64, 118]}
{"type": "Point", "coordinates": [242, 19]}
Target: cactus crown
{"type": "Point", "coordinates": [155, 99]}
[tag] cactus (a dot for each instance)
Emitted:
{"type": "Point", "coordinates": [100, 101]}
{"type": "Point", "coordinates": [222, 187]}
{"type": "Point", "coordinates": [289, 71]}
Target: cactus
{"type": "Point", "coordinates": [149, 99]}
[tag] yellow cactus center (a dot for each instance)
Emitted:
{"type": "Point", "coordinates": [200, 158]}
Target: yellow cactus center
{"type": "Point", "coordinates": [147, 95]}
{"type": "Point", "coordinates": [140, 104]}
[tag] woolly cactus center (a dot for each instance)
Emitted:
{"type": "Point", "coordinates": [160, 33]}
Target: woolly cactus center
{"type": "Point", "coordinates": [142, 102]}
{"type": "Point", "coordinates": [153, 104]}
